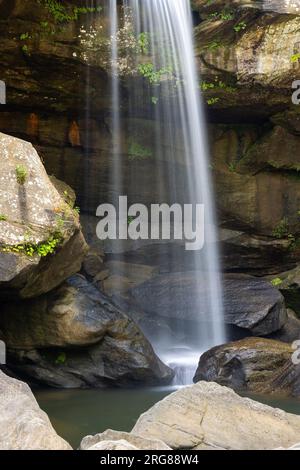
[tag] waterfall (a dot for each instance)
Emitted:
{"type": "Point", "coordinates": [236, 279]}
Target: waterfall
{"type": "Point", "coordinates": [160, 72]}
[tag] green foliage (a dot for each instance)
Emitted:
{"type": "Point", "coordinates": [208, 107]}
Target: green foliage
{"type": "Point", "coordinates": [282, 229]}
{"type": "Point", "coordinates": [154, 99]}
{"type": "Point", "coordinates": [62, 13]}
{"type": "Point", "coordinates": [232, 167]}
{"type": "Point", "coordinates": [276, 282]}
{"type": "Point", "coordinates": [21, 174]}
{"type": "Point", "coordinates": [138, 152]}
{"type": "Point", "coordinates": [3, 218]}
{"type": "Point", "coordinates": [295, 58]}
{"type": "Point", "coordinates": [213, 45]}
{"type": "Point", "coordinates": [216, 85]}
{"type": "Point", "coordinates": [153, 76]}
{"type": "Point", "coordinates": [224, 15]}
{"type": "Point", "coordinates": [25, 50]}
{"type": "Point", "coordinates": [240, 26]}
{"type": "Point", "coordinates": [61, 359]}
{"type": "Point", "coordinates": [31, 249]}
{"type": "Point", "coordinates": [25, 36]}
{"type": "Point", "coordinates": [143, 43]}
{"type": "Point", "coordinates": [212, 101]}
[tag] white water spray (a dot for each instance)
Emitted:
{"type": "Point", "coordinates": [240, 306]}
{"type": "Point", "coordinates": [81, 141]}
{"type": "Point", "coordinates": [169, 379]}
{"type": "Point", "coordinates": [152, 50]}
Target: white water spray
{"type": "Point", "coordinates": [170, 95]}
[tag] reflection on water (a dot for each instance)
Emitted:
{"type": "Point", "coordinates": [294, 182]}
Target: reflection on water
{"type": "Point", "coordinates": [77, 413]}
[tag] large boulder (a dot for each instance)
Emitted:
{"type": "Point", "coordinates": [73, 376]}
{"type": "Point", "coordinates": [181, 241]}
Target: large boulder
{"type": "Point", "coordinates": [89, 442]}
{"type": "Point", "coordinates": [41, 243]}
{"type": "Point", "coordinates": [250, 303]}
{"type": "Point", "coordinates": [209, 416]}
{"type": "Point", "coordinates": [75, 337]}
{"type": "Point", "coordinates": [251, 365]}
{"type": "Point", "coordinates": [24, 426]}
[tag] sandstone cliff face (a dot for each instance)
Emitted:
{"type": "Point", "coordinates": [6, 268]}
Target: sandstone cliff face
{"type": "Point", "coordinates": [248, 58]}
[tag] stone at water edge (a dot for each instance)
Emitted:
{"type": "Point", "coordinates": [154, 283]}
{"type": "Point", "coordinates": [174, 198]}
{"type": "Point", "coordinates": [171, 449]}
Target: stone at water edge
{"type": "Point", "coordinates": [113, 445]}
{"type": "Point", "coordinates": [32, 211]}
{"type": "Point", "coordinates": [74, 337]}
{"type": "Point", "coordinates": [24, 426]}
{"type": "Point", "coordinates": [89, 442]}
{"type": "Point", "coordinates": [209, 416]}
{"type": "Point", "coordinates": [256, 365]}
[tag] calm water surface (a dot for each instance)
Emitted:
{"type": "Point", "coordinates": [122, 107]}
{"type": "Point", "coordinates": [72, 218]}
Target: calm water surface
{"type": "Point", "coordinates": [77, 413]}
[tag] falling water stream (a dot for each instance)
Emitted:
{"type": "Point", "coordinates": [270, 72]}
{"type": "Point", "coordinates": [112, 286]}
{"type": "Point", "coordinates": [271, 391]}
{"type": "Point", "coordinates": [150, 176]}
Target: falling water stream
{"type": "Point", "coordinates": [168, 91]}
{"type": "Point", "coordinates": [164, 88]}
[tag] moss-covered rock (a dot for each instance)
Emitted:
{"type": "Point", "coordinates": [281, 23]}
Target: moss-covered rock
{"type": "Point", "coordinates": [41, 243]}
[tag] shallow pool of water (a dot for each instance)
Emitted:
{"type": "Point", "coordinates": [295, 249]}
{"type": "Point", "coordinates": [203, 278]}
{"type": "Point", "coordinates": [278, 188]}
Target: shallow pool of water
{"type": "Point", "coordinates": [77, 413]}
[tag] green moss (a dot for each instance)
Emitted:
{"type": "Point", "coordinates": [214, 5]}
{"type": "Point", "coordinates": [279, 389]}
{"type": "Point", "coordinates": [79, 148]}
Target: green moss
{"type": "Point", "coordinates": [3, 218]}
{"type": "Point", "coordinates": [21, 174]}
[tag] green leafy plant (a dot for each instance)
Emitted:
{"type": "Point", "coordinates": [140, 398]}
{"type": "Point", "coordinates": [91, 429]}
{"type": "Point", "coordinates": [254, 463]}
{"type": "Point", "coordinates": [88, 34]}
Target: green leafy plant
{"type": "Point", "coordinates": [31, 249]}
{"type": "Point", "coordinates": [224, 15]}
{"type": "Point", "coordinates": [276, 282]}
{"type": "Point", "coordinates": [240, 26]}
{"type": "Point", "coordinates": [282, 229]}
{"type": "Point", "coordinates": [295, 58]}
{"type": "Point", "coordinates": [61, 359]}
{"type": "Point", "coordinates": [232, 167]}
{"type": "Point", "coordinates": [213, 45]}
{"type": "Point", "coordinates": [25, 36]}
{"type": "Point", "coordinates": [21, 174]}
{"type": "Point", "coordinates": [138, 152]}
{"type": "Point", "coordinates": [3, 218]}
{"type": "Point", "coordinates": [216, 85]}
{"type": "Point", "coordinates": [212, 101]}
{"type": "Point", "coordinates": [154, 76]}
{"type": "Point", "coordinates": [143, 43]}
{"type": "Point", "coordinates": [62, 13]}
{"type": "Point", "coordinates": [25, 49]}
